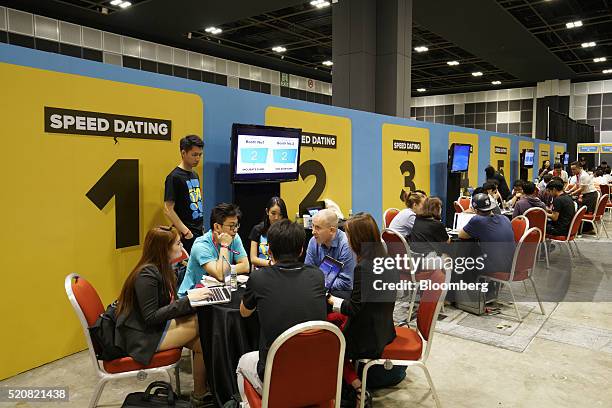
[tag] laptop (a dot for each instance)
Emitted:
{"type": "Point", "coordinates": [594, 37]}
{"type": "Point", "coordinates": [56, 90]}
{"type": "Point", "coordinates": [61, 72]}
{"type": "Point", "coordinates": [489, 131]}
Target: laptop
{"type": "Point", "coordinates": [220, 293]}
{"type": "Point", "coordinates": [461, 219]}
{"type": "Point", "coordinates": [331, 267]}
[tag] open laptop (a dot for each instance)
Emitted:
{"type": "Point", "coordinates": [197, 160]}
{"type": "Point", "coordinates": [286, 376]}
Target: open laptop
{"type": "Point", "coordinates": [220, 293]}
{"type": "Point", "coordinates": [461, 219]}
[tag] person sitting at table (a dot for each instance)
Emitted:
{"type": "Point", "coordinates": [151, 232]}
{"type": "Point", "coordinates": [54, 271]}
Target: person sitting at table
{"type": "Point", "coordinates": [517, 192]}
{"type": "Point", "coordinates": [545, 179]}
{"type": "Point", "coordinates": [494, 233]}
{"type": "Point", "coordinates": [328, 240]}
{"type": "Point", "coordinates": [562, 211]}
{"type": "Point", "coordinates": [559, 172]}
{"type": "Point", "coordinates": [404, 220]}
{"type": "Point", "coordinates": [366, 317]}
{"type": "Point", "coordinates": [608, 174]}
{"type": "Point", "coordinates": [528, 200]}
{"type": "Point", "coordinates": [275, 210]}
{"type": "Point", "coordinates": [428, 233]}
{"type": "Point", "coordinates": [599, 179]}
{"type": "Point", "coordinates": [285, 294]}
{"type": "Point", "coordinates": [490, 188]}
{"type": "Point", "coordinates": [211, 253]}
{"type": "Point", "coordinates": [544, 169]}
{"type": "Point", "coordinates": [151, 317]}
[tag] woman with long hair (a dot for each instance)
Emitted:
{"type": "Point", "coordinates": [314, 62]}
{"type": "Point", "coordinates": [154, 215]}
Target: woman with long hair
{"type": "Point", "coordinates": [275, 210]}
{"type": "Point", "coordinates": [404, 220]}
{"type": "Point", "coordinates": [150, 316]}
{"type": "Point", "coordinates": [367, 316]}
{"type": "Point", "coordinates": [429, 234]}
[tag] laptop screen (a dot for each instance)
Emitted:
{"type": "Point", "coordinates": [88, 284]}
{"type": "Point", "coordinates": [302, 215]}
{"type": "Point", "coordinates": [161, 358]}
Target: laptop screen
{"type": "Point", "coordinates": [461, 219]}
{"type": "Point", "coordinates": [331, 267]}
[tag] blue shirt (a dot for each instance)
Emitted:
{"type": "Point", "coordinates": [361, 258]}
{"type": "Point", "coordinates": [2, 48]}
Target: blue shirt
{"type": "Point", "coordinates": [496, 240]}
{"type": "Point", "coordinates": [339, 249]}
{"type": "Point", "coordinates": [203, 251]}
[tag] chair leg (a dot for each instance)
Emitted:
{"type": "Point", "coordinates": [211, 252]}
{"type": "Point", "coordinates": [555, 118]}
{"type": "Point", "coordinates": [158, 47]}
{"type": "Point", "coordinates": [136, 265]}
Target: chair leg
{"type": "Point", "coordinates": [411, 308]}
{"type": "Point", "coordinates": [570, 251]}
{"type": "Point", "coordinates": [525, 286]}
{"type": "Point", "coordinates": [177, 377]}
{"type": "Point", "coordinates": [431, 385]}
{"type": "Point", "coordinates": [603, 226]}
{"type": "Point", "coordinates": [514, 302]}
{"type": "Point", "coordinates": [364, 379]}
{"type": "Point", "coordinates": [537, 296]}
{"type": "Point", "coordinates": [97, 392]}
{"type": "Point", "coordinates": [546, 255]}
{"type": "Point", "coordinates": [577, 249]}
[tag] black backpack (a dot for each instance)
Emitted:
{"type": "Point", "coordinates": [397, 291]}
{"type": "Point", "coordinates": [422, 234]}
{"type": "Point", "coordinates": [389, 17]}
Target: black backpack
{"type": "Point", "coordinates": [158, 394]}
{"type": "Point", "coordinates": [103, 335]}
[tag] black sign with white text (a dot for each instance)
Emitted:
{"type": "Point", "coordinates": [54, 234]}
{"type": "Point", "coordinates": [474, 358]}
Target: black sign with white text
{"type": "Point", "coordinates": [406, 146]}
{"type": "Point", "coordinates": [77, 122]}
{"type": "Point", "coordinates": [318, 140]}
{"type": "Point", "coordinates": [501, 150]}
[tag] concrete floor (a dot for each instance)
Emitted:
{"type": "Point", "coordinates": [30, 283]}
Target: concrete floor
{"type": "Point", "coordinates": [567, 364]}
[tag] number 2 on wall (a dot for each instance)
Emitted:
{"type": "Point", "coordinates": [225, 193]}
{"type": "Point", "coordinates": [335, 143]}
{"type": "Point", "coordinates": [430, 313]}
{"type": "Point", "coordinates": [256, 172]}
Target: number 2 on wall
{"type": "Point", "coordinates": [121, 181]}
{"type": "Point", "coordinates": [312, 168]}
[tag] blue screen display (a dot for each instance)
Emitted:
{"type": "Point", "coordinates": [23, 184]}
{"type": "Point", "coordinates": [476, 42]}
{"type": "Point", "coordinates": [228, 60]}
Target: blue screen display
{"type": "Point", "coordinates": [529, 155]}
{"type": "Point", "coordinates": [461, 158]}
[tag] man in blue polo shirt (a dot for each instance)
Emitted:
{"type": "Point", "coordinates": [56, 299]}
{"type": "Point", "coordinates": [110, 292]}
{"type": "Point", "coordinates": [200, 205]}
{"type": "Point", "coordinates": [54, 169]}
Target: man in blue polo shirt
{"type": "Point", "coordinates": [208, 251]}
{"type": "Point", "coordinates": [328, 240]}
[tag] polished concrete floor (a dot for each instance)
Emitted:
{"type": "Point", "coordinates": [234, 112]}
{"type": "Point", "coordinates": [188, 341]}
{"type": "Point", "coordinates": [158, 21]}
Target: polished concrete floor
{"type": "Point", "coordinates": [566, 363]}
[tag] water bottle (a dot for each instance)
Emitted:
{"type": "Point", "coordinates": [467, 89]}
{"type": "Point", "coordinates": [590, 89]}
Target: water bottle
{"type": "Point", "coordinates": [233, 278]}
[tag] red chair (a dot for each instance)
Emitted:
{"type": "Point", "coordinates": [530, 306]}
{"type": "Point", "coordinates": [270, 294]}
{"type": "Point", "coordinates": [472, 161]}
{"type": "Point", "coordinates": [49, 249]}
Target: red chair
{"type": "Point", "coordinates": [396, 245]}
{"type": "Point", "coordinates": [597, 216]}
{"type": "Point", "coordinates": [458, 208]}
{"type": "Point", "coordinates": [538, 219]}
{"type": "Point", "coordinates": [605, 189]}
{"type": "Point", "coordinates": [303, 368]}
{"type": "Point", "coordinates": [407, 347]}
{"type": "Point", "coordinates": [465, 202]}
{"type": "Point", "coordinates": [571, 234]}
{"type": "Point", "coordinates": [88, 306]}
{"type": "Point", "coordinates": [523, 264]}
{"type": "Point", "coordinates": [389, 215]}
{"type": "Point", "coordinates": [520, 224]}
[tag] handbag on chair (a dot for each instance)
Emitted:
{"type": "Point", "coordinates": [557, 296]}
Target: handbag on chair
{"type": "Point", "coordinates": [158, 394]}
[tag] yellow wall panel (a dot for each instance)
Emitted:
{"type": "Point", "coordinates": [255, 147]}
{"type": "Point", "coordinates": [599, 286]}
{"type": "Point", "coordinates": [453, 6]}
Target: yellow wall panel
{"type": "Point", "coordinates": [52, 228]}
{"type": "Point", "coordinates": [544, 154]}
{"type": "Point", "coordinates": [500, 156]}
{"type": "Point", "coordinates": [558, 150]}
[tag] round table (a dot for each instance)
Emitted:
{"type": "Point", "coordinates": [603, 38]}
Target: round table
{"type": "Point", "coordinates": [225, 337]}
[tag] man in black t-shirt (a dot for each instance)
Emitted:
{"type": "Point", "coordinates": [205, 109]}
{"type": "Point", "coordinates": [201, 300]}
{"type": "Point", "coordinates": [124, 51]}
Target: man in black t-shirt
{"type": "Point", "coordinates": [502, 186]}
{"type": "Point", "coordinates": [562, 212]}
{"type": "Point", "coordinates": [183, 193]}
{"type": "Point", "coordinates": [284, 294]}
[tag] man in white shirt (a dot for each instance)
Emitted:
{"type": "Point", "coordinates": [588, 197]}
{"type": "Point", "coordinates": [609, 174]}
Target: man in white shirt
{"type": "Point", "coordinates": [608, 175]}
{"type": "Point", "coordinates": [600, 178]}
{"type": "Point", "coordinates": [559, 172]}
{"type": "Point", "coordinates": [584, 186]}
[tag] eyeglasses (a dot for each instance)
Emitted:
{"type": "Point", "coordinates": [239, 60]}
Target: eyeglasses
{"type": "Point", "coordinates": [234, 227]}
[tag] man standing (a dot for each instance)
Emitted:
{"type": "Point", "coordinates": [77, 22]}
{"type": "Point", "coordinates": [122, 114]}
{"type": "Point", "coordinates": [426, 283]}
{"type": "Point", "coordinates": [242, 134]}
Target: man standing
{"type": "Point", "coordinates": [502, 186]}
{"type": "Point", "coordinates": [584, 185]}
{"type": "Point", "coordinates": [328, 240]}
{"type": "Point", "coordinates": [183, 194]}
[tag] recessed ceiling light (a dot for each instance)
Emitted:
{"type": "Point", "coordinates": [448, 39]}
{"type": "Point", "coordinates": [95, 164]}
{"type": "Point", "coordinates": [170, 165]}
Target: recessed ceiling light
{"type": "Point", "coordinates": [327, 63]}
{"type": "Point", "coordinates": [421, 48]}
{"type": "Point", "coordinates": [213, 30]}
{"type": "Point", "coordinates": [607, 71]}
{"type": "Point", "coordinates": [601, 59]}
{"type": "Point", "coordinates": [319, 3]}
{"type": "Point", "coordinates": [421, 90]}
{"type": "Point", "coordinates": [588, 44]}
{"type": "Point", "coordinates": [496, 82]}
{"type": "Point", "coordinates": [452, 63]}
{"type": "Point", "coordinates": [125, 4]}
{"type": "Point", "coordinates": [279, 48]}
{"type": "Point", "coordinates": [477, 73]}
{"type": "Point", "coordinates": [574, 24]}
{"type": "Point", "coordinates": [116, 2]}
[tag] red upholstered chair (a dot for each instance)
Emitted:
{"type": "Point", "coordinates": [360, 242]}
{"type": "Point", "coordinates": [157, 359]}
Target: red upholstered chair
{"type": "Point", "coordinates": [538, 219]}
{"type": "Point", "coordinates": [597, 217]}
{"type": "Point", "coordinates": [571, 234]}
{"type": "Point", "coordinates": [396, 245]}
{"type": "Point", "coordinates": [520, 224]}
{"type": "Point", "coordinates": [464, 202]}
{"type": "Point", "coordinates": [523, 264]}
{"type": "Point", "coordinates": [605, 189]}
{"type": "Point", "coordinates": [88, 306]}
{"type": "Point", "coordinates": [303, 368]}
{"type": "Point", "coordinates": [407, 347]}
{"type": "Point", "coordinates": [458, 207]}
{"type": "Point", "coordinates": [389, 215]}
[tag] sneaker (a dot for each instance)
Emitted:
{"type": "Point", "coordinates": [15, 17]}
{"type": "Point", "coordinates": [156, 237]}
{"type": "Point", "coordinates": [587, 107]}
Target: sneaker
{"type": "Point", "coordinates": [202, 401]}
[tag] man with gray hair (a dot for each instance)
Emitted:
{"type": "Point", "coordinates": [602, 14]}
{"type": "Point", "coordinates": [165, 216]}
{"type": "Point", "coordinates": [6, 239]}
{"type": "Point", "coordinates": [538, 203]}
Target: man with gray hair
{"type": "Point", "coordinates": [328, 240]}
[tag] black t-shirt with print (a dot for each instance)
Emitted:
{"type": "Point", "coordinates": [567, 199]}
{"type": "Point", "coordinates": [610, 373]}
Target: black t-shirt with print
{"type": "Point", "coordinates": [183, 187]}
{"type": "Point", "coordinates": [564, 205]}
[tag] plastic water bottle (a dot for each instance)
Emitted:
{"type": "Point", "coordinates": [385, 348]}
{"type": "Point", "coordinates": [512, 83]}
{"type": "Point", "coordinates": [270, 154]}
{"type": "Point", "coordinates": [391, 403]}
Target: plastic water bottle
{"type": "Point", "coordinates": [233, 278]}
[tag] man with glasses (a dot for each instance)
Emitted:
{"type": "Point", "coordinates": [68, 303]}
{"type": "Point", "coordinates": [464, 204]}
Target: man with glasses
{"type": "Point", "coordinates": [212, 251]}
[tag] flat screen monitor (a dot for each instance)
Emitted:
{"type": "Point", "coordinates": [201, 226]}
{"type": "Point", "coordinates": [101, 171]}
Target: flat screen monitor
{"type": "Point", "coordinates": [262, 154]}
{"type": "Point", "coordinates": [459, 158]}
{"type": "Point", "coordinates": [528, 157]}
{"type": "Point", "coordinates": [565, 159]}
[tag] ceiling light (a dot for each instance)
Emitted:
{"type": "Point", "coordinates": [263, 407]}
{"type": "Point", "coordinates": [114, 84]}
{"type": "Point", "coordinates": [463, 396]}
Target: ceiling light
{"type": "Point", "coordinates": [327, 63]}
{"type": "Point", "coordinates": [213, 30]}
{"type": "Point", "coordinates": [116, 2]}
{"type": "Point", "coordinates": [574, 24]}
{"type": "Point", "coordinates": [421, 49]}
{"type": "Point", "coordinates": [319, 3]}
{"type": "Point", "coordinates": [451, 63]}
{"type": "Point", "coordinates": [601, 59]}
{"type": "Point", "coordinates": [477, 73]}
{"type": "Point", "coordinates": [588, 44]}
{"type": "Point", "coordinates": [496, 82]}
{"type": "Point", "coordinates": [607, 71]}
{"type": "Point", "coordinates": [421, 90]}
{"type": "Point", "coordinates": [125, 4]}
{"type": "Point", "coordinates": [279, 48]}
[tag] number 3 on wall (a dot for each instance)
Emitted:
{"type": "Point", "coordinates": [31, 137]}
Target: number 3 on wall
{"type": "Point", "coordinates": [407, 167]}
{"type": "Point", "coordinates": [121, 181]}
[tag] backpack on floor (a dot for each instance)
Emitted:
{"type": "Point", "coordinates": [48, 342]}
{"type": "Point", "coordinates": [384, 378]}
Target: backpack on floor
{"type": "Point", "coordinates": [158, 394]}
